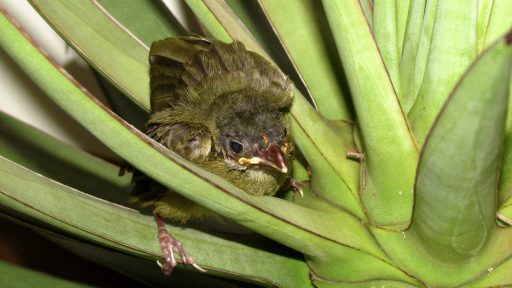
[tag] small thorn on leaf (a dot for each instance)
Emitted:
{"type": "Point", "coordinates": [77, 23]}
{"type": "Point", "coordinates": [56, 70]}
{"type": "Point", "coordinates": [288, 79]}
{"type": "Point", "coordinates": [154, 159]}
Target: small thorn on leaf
{"type": "Point", "coordinates": [355, 155]}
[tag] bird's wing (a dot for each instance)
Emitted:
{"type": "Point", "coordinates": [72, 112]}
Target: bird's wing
{"type": "Point", "coordinates": [167, 59]}
{"type": "Point", "coordinates": [190, 140]}
{"type": "Point", "coordinates": [185, 66]}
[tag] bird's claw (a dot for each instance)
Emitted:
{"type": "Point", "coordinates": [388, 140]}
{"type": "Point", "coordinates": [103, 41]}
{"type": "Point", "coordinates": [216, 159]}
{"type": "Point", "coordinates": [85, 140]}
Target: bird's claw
{"type": "Point", "coordinates": [296, 186]}
{"type": "Point", "coordinates": [170, 245]}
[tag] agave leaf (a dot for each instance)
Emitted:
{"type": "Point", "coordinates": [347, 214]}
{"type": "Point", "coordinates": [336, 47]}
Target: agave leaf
{"type": "Point", "coordinates": [14, 276]}
{"type": "Point", "coordinates": [253, 18]}
{"type": "Point", "coordinates": [484, 14]}
{"type": "Point", "coordinates": [144, 270]}
{"type": "Point", "coordinates": [500, 21]}
{"type": "Point", "coordinates": [415, 49]}
{"type": "Point", "coordinates": [499, 276]}
{"type": "Point", "coordinates": [300, 22]}
{"type": "Point", "coordinates": [110, 50]}
{"type": "Point", "coordinates": [148, 22]}
{"type": "Point", "coordinates": [65, 209]}
{"type": "Point", "coordinates": [402, 15]}
{"type": "Point", "coordinates": [297, 226]}
{"type": "Point", "coordinates": [459, 167]}
{"type": "Point", "coordinates": [367, 7]}
{"type": "Point", "coordinates": [122, 104]}
{"type": "Point", "coordinates": [407, 249]}
{"type": "Point", "coordinates": [505, 189]}
{"type": "Point", "coordinates": [140, 269]}
{"type": "Point", "coordinates": [145, 19]}
{"type": "Point", "coordinates": [367, 284]}
{"type": "Point", "coordinates": [46, 155]}
{"type": "Point", "coordinates": [451, 51]}
{"type": "Point", "coordinates": [324, 181]}
{"type": "Point", "coordinates": [390, 147]}
{"type": "Point", "coordinates": [386, 33]}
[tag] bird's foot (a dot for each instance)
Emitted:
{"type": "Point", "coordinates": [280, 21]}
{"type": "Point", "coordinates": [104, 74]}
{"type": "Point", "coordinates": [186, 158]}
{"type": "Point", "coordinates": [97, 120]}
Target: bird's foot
{"type": "Point", "coordinates": [296, 185]}
{"type": "Point", "coordinates": [169, 246]}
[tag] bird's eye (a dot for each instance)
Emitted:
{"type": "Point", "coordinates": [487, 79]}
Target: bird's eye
{"type": "Point", "coordinates": [235, 147]}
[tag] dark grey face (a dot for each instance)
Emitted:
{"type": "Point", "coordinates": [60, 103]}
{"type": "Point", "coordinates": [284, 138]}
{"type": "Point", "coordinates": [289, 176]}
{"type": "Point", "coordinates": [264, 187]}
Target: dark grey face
{"type": "Point", "coordinates": [246, 132]}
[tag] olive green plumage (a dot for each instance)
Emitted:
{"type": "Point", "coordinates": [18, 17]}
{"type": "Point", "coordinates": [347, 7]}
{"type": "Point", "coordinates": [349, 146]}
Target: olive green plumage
{"type": "Point", "coordinates": [223, 108]}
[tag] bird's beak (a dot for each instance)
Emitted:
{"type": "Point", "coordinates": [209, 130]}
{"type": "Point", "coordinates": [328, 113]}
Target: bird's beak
{"type": "Point", "coordinates": [272, 157]}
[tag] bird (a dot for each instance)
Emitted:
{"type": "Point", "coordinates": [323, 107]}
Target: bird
{"type": "Point", "coordinates": [223, 108]}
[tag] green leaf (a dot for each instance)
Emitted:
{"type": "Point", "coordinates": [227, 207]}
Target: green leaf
{"type": "Point", "coordinates": [500, 21]}
{"type": "Point", "coordinates": [415, 50]}
{"type": "Point", "coordinates": [298, 22]}
{"type": "Point", "coordinates": [407, 249]}
{"type": "Point", "coordinates": [484, 11]}
{"type": "Point", "coordinates": [325, 179]}
{"type": "Point", "coordinates": [367, 7]}
{"type": "Point", "coordinates": [147, 20]}
{"type": "Point", "coordinates": [402, 15]}
{"type": "Point", "coordinates": [458, 171]}
{"type": "Point", "coordinates": [46, 155]}
{"type": "Point", "coordinates": [146, 271]}
{"type": "Point", "coordinates": [390, 147]}
{"type": "Point", "coordinates": [505, 188]}
{"type": "Point", "coordinates": [36, 197]}
{"type": "Point", "coordinates": [14, 276]}
{"type": "Point", "coordinates": [103, 43]}
{"type": "Point", "coordinates": [367, 284]}
{"type": "Point", "coordinates": [499, 276]}
{"type": "Point", "coordinates": [385, 30]}
{"type": "Point", "coordinates": [252, 17]}
{"type": "Point", "coordinates": [451, 51]}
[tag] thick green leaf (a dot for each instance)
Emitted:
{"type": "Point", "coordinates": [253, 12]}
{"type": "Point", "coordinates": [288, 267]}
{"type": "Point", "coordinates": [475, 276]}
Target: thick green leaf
{"type": "Point", "coordinates": [458, 171]}
{"type": "Point", "coordinates": [144, 270]}
{"type": "Point", "coordinates": [147, 20]}
{"type": "Point", "coordinates": [298, 22]}
{"type": "Point", "coordinates": [367, 7]}
{"type": "Point", "coordinates": [484, 15]}
{"type": "Point", "coordinates": [103, 43]}
{"type": "Point", "coordinates": [390, 147]}
{"type": "Point", "coordinates": [499, 276]}
{"type": "Point", "coordinates": [324, 181]}
{"type": "Point", "coordinates": [415, 49]}
{"type": "Point", "coordinates": [402, 15]}
{"type": "Point", "coordinates": [367, 284]}
{"type": "Point", "coordinates": [36, 197]}
{"type": "Point", "coordinates": [500, 21]}
{"type": "Point", "coordinates": [253, 18]}
{"type": "Point", "coordinates": [14, 276]}
{"type": "Point", "coordinates": [451, 51]}
{"type": "Point", "coordinates": [505, 189]}
{"type": "Point", "coordinates": [46, 155]}
{"type": "Point", "coordinates": [407, 251]}
{"type": "Point", "coordinates": [385, 31]}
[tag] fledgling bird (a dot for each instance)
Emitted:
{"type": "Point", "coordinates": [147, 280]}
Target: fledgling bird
{"type": "Point", "coordinates": [223, 108]}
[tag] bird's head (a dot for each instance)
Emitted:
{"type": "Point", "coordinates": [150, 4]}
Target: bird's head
{"type": "Point", "coordinates": [254, 137]}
